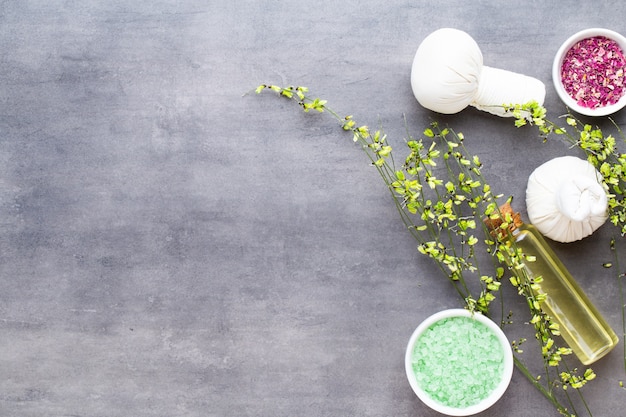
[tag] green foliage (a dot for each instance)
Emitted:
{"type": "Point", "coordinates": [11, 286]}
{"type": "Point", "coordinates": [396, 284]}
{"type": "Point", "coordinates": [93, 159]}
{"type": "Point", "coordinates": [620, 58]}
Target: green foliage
{"type": "Point", "coordinates": [601, 151]}
{"type": "Point", "coordinates": [443, 200]}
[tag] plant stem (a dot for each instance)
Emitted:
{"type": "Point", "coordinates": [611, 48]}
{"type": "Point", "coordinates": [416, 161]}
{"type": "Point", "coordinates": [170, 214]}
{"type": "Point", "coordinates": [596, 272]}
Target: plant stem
{"type": "Point", "coordinates": [457, 205]}
{"type": "Point", "coordinates": [546, 393]}
{"type": "Point", "coordinates": [620, 283]}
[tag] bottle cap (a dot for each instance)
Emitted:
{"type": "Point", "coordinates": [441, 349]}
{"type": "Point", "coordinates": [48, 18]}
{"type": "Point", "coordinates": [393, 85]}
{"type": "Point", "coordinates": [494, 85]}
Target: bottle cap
{"type": "Point", "coordinates": [504, 222]}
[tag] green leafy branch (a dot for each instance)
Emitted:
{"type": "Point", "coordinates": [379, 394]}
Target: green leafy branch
{"type": "Point", "coordinates": [601, 150]}
{"type": "Point", "coordinates": [442, 198]}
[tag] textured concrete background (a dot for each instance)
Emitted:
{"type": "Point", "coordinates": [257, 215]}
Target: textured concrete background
{"type": "Point", "coordinates": [172, 245]}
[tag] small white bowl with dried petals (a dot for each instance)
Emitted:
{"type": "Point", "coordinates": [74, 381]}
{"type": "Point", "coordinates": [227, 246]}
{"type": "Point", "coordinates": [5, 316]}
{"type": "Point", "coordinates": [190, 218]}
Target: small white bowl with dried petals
{"type": "Point", "coordinates": [589, 72]}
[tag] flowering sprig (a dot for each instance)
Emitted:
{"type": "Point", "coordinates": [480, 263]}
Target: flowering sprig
{"type": "Point", "coordinates": [601, 150]}
{"type": "Point", "coordinates": [445, 215]}
{"type": "Point", "coordinates": [620, 278]}
{"type": "Point", "coordinates": [442, 214]}
{"type": "Point", "coordinates": [546, 329]}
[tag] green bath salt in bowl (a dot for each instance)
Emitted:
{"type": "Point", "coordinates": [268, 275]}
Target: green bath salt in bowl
{"type": "Point", "coordinates": [459, 363]}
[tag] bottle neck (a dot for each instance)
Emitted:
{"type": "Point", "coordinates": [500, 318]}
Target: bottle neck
{"type": "Point", "coordinates": [505, 223]}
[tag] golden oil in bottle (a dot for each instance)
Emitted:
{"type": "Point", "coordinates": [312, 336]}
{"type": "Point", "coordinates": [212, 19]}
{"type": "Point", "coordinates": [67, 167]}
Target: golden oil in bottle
{"type": "Point", "coordinates": [580, 323]}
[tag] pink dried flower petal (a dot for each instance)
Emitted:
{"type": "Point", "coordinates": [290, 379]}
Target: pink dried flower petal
{"type": "Point", "coordinates": [593, 72]}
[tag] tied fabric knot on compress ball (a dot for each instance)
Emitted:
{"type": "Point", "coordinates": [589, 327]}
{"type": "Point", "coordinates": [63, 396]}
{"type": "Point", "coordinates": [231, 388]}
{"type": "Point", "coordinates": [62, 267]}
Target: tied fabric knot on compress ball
{"type": "Point", "coordinates": [565, 199]}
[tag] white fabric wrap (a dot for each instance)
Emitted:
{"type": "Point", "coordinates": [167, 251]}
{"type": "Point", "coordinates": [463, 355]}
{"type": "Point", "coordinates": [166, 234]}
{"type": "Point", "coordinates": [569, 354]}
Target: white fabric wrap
{"type": "Point", "coordinates": [565, 199]}
{"type": "Point", "coordinates": [448, 75]}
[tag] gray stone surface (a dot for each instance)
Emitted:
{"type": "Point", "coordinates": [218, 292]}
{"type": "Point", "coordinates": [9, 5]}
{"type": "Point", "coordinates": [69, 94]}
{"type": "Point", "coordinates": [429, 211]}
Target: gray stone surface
{"type": "Point", "coordinates": [172, 245]}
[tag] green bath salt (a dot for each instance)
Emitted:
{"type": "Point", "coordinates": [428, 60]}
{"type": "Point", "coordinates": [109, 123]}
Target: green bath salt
{"type": "Point", "coordinates": [458, 361]}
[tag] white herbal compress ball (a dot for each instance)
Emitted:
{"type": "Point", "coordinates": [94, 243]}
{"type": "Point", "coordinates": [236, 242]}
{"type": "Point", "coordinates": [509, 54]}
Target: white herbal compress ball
{"type": "Point", "coordinates": [565, 199]}
{"type": "Point", "coordinates": [448, 75]}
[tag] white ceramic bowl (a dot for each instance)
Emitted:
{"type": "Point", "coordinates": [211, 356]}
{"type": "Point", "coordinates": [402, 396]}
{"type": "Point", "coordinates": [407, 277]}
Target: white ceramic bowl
{"type": "Point", "coordinates": [500, 387]}
{"type": "Point", "coordinates": [558, 62]}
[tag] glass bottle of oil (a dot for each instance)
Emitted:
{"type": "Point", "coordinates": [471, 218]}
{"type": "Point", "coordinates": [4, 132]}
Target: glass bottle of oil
{"type": "Point", "coordinates": [581, 325]}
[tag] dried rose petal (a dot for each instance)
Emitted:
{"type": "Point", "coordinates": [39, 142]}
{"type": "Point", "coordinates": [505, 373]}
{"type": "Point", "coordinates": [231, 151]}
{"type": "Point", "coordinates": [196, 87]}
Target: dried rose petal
{"type": "Point", "coordinates": [593, 72]}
